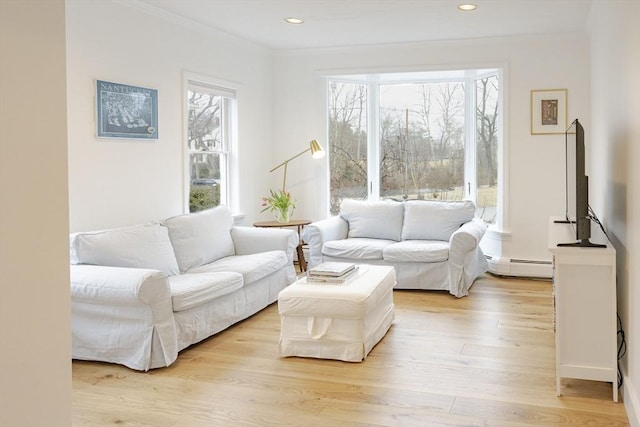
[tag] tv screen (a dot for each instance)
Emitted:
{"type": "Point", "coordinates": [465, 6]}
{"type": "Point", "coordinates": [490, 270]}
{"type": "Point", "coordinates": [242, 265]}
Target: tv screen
{"type": "Point", "coordinates": [578, 212]}
{"type": "Point", "coordinates": [570, 139]}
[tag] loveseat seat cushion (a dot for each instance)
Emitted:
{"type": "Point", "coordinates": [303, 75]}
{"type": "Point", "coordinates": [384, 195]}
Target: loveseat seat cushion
{"type": "Point", "coordinates": [417, 251]}
{"type": "Point", "coordinates": [136, 246]}
{"type": "Point", "coordinates": [356, 248]}
{"type": "Point", "coordinates": [190, 290]}
{"type": "Point", "coordinates": [202, 237]}
{"type": "Point", "coordinates": [374, 220]}
{"type": "Point", "coordinates": [252, 267]}
{"type": "Point", "coordinates": [435, 220]}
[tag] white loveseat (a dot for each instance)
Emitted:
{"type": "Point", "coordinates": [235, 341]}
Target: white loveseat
{"type": "Point", "coordinates": [140, 294]}
{"type": "Point", "coordinates": [431, 244]}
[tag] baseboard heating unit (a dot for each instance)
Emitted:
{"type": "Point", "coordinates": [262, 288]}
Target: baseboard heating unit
{"type": "Point", "coordinates": [520, 267]}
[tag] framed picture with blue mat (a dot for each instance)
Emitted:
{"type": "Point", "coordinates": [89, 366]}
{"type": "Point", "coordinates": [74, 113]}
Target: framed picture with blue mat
{"type": "Point", "coordinates": [125, 111]}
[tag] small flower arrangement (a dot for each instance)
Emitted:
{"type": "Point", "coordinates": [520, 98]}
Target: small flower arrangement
{"type": "Point", "coordinates": [277, 200]}
{"type": "Point", "coordinates": [280, 203]}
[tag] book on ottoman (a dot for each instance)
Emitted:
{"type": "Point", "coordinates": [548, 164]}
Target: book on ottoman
{"type": "Point", "coordinates": [331, 269]}
{"type": "Point", "coordinates": [335, 280]}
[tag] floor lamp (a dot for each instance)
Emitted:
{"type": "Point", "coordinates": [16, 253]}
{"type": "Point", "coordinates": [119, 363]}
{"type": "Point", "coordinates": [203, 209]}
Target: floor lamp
{"type": "Point", "coordinates": [316, 152]}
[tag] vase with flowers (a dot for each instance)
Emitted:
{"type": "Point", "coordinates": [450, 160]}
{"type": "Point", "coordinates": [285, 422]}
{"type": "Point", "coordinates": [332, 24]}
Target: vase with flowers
{"type": "Point", "coordinates": [281, 204]}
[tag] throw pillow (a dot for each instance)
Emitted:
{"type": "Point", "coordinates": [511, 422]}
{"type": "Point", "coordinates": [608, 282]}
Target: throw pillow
{"type": "Point", "coordinates": [202, 237]}
{"type": "Point", "coordinates": [435, 220]}
{"type": "Point", "coordinates": [374, 220]}
{"type": "Point", "coordinates": [137, 246]}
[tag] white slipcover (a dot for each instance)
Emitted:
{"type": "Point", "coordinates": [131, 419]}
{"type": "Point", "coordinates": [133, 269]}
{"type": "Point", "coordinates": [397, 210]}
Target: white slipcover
{"type": "Point", "coordinates": [191, 290]}
{"type": "Point", "coordinates": [137, 246]}
{"type": "Point", "coordinates": [439, 249]}
{"type": "Point", "coordinates": [435, 220]}
{"type": "Point", "coordinates": [342, 321]}
{"type": "Point", "coordinates": [122, 315]}
{"type": "Point", "coordinates": [202, 237]}
{"type": "Point", "coordinates": [366, 219]}
{"type": "Point", "coordinates": [142, 317]}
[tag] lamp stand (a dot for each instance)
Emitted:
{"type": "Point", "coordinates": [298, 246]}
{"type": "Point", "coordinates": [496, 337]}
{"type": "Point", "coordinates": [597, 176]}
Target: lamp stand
{"type": "Point", "coordinates": [285, 164]}
{"type": "Point", "coordinates": [316, 152]}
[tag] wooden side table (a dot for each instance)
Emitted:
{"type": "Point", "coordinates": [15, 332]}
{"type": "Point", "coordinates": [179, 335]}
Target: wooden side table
{"type": "Point", "coordinates": [299, 224]}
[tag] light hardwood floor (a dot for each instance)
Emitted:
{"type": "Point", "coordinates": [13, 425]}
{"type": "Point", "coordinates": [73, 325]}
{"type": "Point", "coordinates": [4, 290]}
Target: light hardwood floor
{"type": "Point", "coordinates": [484, 360]}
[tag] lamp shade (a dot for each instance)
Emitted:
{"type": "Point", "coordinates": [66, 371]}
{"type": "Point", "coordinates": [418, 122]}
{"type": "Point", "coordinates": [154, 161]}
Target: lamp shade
{"type": "Point", "coordinates": [316, 150]}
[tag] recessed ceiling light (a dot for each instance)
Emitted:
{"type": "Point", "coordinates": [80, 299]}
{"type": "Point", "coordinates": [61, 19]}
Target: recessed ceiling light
{"type": "Point", "coordinates": [294, 20]}
{"type": "Point", "coordinates": [467, 7]}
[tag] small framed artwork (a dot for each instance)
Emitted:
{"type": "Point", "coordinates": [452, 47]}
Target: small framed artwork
{"type": "Point", "coordinates": [125, 111]}
{"type": "Point", "coordinates": [548, 111]}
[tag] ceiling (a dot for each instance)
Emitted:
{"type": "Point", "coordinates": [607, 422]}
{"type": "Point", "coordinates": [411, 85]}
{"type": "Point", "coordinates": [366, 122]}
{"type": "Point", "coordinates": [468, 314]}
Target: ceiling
{"type": "Point", "coordinates": [338, 23]}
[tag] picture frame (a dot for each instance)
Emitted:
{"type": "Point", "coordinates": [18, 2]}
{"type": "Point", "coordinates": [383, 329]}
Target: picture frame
{"type": "Point", "coordinates": [548, 111]}
{"type": "Point", "coordinates": [125, 111]}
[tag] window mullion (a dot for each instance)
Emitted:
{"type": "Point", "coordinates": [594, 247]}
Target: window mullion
{"type": "Point", "coordinates": [470, 172]}
{"type": "Point", "coordinates": [373, 141]}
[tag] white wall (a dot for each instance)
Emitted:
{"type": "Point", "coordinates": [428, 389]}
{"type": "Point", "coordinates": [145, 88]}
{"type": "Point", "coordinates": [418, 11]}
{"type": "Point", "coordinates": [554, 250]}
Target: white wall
{"type": "Point", "coordinates": [615, 178]}
{"type": "Point", "coordinates": [120, 182]}
{"type": "Point", "coordinates": [535, 163]}
{"type": "Point", "coordinates": [35, 361]}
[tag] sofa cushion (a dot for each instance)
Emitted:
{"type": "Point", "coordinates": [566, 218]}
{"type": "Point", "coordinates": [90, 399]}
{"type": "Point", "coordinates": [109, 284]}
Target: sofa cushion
{"type": "Point", "coordinates": [417, 251]}
{"type": "Point", "coordinates": [191, 290]}
{"type": "Point", "coordinates": [374, 220]}
{"type": "Point", "coordinates": [136, 246]}
{"type": "Point", "coordinates": [202, 237]}
{"type": "Point", "coordinates": [356, 248]}
{"type": "Point", "coordinates": [253, 267]}
{"type": "Point", "coordinates": [435, 220]}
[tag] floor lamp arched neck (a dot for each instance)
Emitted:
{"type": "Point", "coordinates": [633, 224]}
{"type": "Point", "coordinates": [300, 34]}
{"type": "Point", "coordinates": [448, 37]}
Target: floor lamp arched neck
{"type": "Point", "coordinates": [316, 152]}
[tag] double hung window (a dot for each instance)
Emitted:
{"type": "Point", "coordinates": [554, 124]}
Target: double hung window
{"type": "Point", "coordinates": [209, 137]}
{"type": "Point", "coordinates": [407, 136]}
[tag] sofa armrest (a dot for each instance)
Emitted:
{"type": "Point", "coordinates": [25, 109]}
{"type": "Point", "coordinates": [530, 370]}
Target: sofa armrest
{"type": "Point", "coordinates": [468, 236]}
{"type": "Point", "coordinates": [466, 260]}
{"type": "Point", "coordinates": [118, 286]}
{"type": "Point", "coordinates": [122, 315]}
{"type": "Point", "coordinates": [252, 240]}
{"type": "Point", "coordinates": [319, 232]}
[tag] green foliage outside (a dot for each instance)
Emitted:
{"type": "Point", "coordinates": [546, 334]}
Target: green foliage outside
{"type": "Point", "coordinates": [203, 197]}
{"type": "Point", "coordinates": [205, 144]}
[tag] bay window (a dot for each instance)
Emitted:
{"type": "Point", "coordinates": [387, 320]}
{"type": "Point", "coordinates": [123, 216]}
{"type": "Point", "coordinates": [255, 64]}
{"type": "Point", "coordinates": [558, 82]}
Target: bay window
{"type": "Point", "coordinates": [431, 136]}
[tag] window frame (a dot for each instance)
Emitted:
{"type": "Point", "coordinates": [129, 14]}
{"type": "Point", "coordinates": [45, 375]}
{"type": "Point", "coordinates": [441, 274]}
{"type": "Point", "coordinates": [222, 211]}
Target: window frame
{"type": "Point", "coordinates": [229, 129]}
{"type": "Point", "coordinates": [469, 77]}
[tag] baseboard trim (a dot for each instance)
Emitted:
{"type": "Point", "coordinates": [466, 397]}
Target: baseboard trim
{"type": "Point", "coordinates": [631, 402]}
{"type": "Point", "coordinates": [501, 266]}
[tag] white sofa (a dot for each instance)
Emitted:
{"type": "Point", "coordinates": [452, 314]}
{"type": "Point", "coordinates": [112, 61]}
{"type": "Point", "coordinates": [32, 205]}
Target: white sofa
{"type": "Point", "coordinates": [141, 294]}
{"type": "Point", "coordinates": [431, 244]}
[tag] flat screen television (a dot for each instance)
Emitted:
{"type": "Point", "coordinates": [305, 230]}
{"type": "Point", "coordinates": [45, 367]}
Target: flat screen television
{"type": "Point", "coordinates": [577, 210]}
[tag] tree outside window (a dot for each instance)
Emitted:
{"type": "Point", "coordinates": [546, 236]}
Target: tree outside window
{"type": "Point", "coordinates": [347, 142]}
{"type": "Point", "coordinates": [422, 141]}
{"type": "Point", "coordinates": [208, 144]}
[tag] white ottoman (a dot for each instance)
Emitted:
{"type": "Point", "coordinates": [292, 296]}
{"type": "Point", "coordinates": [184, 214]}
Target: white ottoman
{"type": "Point", "coordinates": [337, 321]}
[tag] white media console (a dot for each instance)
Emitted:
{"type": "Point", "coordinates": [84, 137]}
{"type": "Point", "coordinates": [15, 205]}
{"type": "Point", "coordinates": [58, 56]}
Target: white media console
{"type": "Point", "coordinates": [585, 312]}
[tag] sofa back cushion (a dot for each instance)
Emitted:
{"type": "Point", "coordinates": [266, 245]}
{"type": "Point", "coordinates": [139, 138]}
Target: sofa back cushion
{"type": "Point", "coordinates": [435, 220]}
{"type": "Point", "coordinates": [202, 237]}
{"type": "Point", "coordinates": [137, 246]}
{"type": "Point", "coordinates": [373, 220]}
